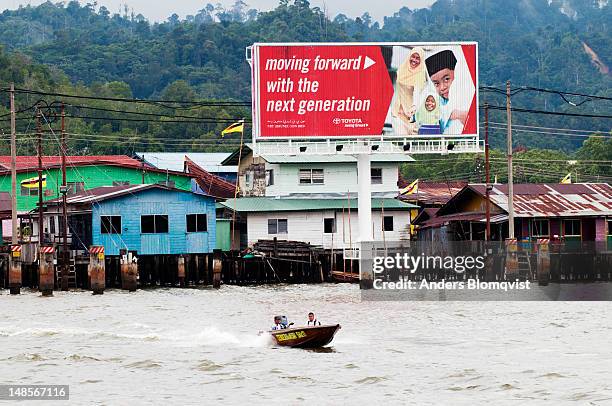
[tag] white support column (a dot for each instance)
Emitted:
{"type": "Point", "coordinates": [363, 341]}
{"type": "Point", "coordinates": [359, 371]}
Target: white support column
{"type": "Point", "coordinates": [364, 197]}
{"type": "Point", "coordinates": [364, 212]}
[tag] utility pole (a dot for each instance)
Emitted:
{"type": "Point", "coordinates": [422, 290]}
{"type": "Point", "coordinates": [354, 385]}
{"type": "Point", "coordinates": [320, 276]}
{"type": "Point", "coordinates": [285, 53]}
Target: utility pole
{"type": "Point", "coordinates": [14, 239]}
{"type": "Point", "coordinates": [487, 175]}
{"type": "Point", "coordinates": [40, 178]}
{"type": "Point", "coordinates": [510, 180]}
{"type": "Point", "coordinates": [64, 190]}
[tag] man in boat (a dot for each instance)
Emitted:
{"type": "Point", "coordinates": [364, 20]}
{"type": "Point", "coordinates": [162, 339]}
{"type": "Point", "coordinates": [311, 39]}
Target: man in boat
{"type": "Point", "coordinates": [312, 321]}
{"type": "Point", "coordinates": [278, 323]}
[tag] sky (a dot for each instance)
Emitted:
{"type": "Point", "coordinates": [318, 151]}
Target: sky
{"type": "Point", "coordinates": [159, 10]}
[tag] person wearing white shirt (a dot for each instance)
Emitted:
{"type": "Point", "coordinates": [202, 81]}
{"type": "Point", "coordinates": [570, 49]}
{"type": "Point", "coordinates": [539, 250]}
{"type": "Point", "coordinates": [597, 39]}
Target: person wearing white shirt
{"type": "Point", "coordinates": [312, 321]}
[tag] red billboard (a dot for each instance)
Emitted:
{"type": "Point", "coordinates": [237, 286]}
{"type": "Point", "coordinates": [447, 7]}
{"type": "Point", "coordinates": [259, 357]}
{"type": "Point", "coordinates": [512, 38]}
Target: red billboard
{"type": "Point", "coordinates": [350, 90]}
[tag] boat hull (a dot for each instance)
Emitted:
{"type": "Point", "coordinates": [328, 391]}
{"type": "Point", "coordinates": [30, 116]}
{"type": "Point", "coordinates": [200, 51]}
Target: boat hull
{"type": "Point", "coordinates": [305, 337]}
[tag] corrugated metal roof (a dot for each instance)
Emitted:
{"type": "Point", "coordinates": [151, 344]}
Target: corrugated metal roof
{"type": "Point", "coordinates": [210, 184]}
{"type": "Point", "coordinates": [175, 161]}
{"type": "Point", "coordinates": [31, 162]}
{"type": "Point", "coordinates": [109, 192]}
{"type": "Point", "coordinates": [553, 200]}
{"type": "Point", "coordinates": [266, 204]}
{"type": "Point", "coordinates": [438, 221]}
{"type": "Point", "coordinates": [432, 193]}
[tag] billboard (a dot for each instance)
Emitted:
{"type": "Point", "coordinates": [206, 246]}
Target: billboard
{"type": "Point", "coordinates": [328, 90]}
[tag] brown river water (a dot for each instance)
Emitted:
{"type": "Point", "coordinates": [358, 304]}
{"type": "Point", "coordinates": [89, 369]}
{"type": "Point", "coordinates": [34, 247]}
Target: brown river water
{"type": "Point", "coordinates": [200, 346]}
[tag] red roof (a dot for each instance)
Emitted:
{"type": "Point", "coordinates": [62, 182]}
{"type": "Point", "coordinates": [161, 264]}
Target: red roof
{"type": "Point", "coordinates": [31, 162]}
{"type": "Point", "coordinates": [210, 184]}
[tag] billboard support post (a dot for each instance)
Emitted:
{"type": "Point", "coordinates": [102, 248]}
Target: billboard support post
{"type": "Point", "coordinates": [364, 213]}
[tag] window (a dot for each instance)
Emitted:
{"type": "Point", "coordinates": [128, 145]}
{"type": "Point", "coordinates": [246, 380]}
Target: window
{"type": "Point", "coordinates": [329, 225]}
{"type": "Point", "coordinates": [376, 176]}
{"type": "Point", "coordinates": [539, 228]}
{"type": "Point", "coordinates": [277, 226]}
{"type": "Point", "coordinates": [311, 177]}
{"type": "Point", "coordinates": [571, 227]}
{"type": "Point", "coordinates": [155, 224]}
{"type": "Point", "coordinates": [269, 177]}
{"type": "Point", "coordinates": [75, 187]}
{"type": "Point", "coordinates": [29, 191]}
{"type": "Point", "coordinates": [196, 223]}
{"type": "Point", "coordinates": [121, 182]}
{"type": "Point", "coordinates": [110, 224]}
{"type": "Point", "coordinates": [388, 223]}
{"type": "Point", "coordinates": [52, 224]}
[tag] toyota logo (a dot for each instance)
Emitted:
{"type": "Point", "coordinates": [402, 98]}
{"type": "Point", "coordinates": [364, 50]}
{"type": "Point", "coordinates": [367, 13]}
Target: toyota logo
{"type": "Point", "coordinates": [336, 121]}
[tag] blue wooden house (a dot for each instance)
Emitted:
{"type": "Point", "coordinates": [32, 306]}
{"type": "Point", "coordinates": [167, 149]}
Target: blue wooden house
{"type": "Point", "coordinates": [150, 219]}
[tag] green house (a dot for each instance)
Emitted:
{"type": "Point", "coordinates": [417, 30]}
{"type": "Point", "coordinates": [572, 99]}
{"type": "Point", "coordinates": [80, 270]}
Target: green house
{"type": "Point", "coordinates": [82, 173]}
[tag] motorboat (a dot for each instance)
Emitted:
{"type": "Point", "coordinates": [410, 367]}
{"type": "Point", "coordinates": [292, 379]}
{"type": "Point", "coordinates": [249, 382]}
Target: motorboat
{"type": "Point", "coordinates": [305, 336]}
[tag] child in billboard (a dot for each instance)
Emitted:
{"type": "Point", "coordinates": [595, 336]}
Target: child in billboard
{"type": "Point", "coordinates": [411, 78]}
{"type": "Point", "coordinates": [441, 68]}
{"type": "Point", "coordinates": [428, 114]}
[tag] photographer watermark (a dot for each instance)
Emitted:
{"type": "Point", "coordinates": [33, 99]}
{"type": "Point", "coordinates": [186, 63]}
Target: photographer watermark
{"type": "Point", "coordinates": [479, 270]}
{"type": "Point", "coordinates": [469, 284]}
{"type": "Point", "coordinates": [458, 264]}
{"type": "Point", "coordinates": [405, 261]}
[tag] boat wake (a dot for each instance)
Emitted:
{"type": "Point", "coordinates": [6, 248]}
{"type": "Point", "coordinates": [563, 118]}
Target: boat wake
{"type": "Point", "coordinates": [209, 336]}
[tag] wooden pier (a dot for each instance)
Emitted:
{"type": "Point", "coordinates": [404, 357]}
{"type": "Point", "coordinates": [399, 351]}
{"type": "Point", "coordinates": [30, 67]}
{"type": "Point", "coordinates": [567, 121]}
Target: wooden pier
{"type": "Point", "coordinates": [277, 261]}
{"type": "Point", "coordinates": [268, 262]}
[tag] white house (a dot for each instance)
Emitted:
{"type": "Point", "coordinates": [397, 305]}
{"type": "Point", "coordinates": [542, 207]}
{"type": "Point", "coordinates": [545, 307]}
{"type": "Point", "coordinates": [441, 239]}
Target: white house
{"type": "Point", "coordinates": [321, 222]}
{"type": "Point", "coordinates": [308, 175]}
{"type": "Point", "coordinates": [307, 198]}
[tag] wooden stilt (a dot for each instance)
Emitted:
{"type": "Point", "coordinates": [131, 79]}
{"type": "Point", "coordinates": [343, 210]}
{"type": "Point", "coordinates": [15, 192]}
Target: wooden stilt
{"type": "Point", "coordinates": [181, 271]}
{"type": "Point", "coordinates": [46, 271]}
{"type": "Point", "coordinates": [96, 270]}
{"type": "Point", "coordinates": [14, 272]}
{"type": "Point", "coordinates": [217, 265]}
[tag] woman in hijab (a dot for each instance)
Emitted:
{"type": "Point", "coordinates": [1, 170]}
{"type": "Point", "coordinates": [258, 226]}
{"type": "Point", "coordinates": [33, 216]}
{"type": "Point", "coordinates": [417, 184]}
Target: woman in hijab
{"type": "Point", "coordinates": [411, 79]}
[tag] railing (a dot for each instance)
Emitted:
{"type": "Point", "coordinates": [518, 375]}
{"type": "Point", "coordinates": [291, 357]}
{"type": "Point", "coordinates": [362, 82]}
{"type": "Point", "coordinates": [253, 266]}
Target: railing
{"type": "Point", "coordinates": [351, 253]}
{"type": "Point", "coordinates": [408, 146]}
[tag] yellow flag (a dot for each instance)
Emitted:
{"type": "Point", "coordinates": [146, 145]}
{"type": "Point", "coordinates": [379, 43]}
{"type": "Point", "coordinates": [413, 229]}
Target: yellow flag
{"type": "Point", "coordinates": [411, 188]}
{"type": "Point", "coordinates": [234, 128]}
{"type": "Point", "coordinates": [567, 179]}
{"type": "Point", "coordinates": [32, 183]}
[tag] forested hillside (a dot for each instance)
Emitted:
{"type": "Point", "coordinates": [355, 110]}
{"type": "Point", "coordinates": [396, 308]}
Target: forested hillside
{"type": "Point", "coordinates": [556, 44]}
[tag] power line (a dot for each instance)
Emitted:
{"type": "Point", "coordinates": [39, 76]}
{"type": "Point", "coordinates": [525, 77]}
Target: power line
{"type": "Point", "coordinates": [143, 120]}
{"type": "Point", "coordinates": [216, 119]}
{"type": "Point", "coordinates": [135, 100]}
{"type": "Point", "coordinates": [546, 128]}
{"type": "Point", "coordinates": [500, 159]}
{"type": "Point", "coordinates": [546, 112]}
{"type": "Point", "coordinates": [519, 89]}
{"type": "Point", "coordinates": [551, 133]}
